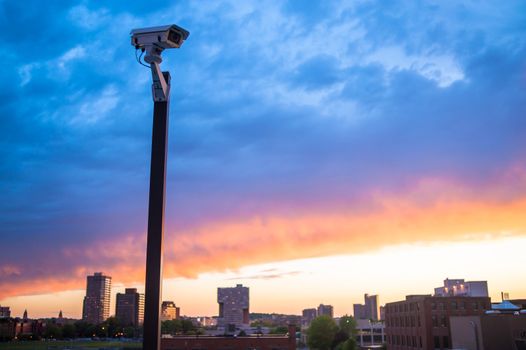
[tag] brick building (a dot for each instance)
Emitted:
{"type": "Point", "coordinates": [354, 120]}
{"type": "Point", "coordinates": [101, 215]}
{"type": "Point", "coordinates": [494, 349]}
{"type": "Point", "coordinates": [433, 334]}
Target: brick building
{"type": "Point", "coordinates": [129, 307]}
{"type": "Point", "coordinates": [491, 331]}
{"type": "Point", "coordinates": [275, 342]}
{"type": "Point", "coordinates": [422, 321]}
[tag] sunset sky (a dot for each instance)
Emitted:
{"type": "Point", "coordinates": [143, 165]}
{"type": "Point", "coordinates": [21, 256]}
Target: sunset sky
{"type": "Point", "coordinates": [318, 150]}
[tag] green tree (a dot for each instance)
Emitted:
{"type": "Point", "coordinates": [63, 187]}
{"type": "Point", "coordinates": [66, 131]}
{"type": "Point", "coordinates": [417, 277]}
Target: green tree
{"type": "Point", "coordinates": [68, 331]}
{"type": "Point", "coordinates": [279, 330]}
{"type": "Point", "coordinates": [348, 325]}
{"type": "Point", "coordinates": [321, 332]}
{"type": "Point", "coordinates": [52, 332]}
{"type": "Point", "coordinates": [350, 344]}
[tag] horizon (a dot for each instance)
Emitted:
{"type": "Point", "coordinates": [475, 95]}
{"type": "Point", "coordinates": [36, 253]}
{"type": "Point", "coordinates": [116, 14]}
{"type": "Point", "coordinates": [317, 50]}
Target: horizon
{"type": "Point", "coordinates": [317, 151]}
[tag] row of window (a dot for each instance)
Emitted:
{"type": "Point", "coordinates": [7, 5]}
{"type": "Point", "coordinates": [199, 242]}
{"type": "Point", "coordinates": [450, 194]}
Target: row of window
{"type": "Point", "coordinates": [403, 321]}
{"type": "Point", "coordinates": [453, 305]}
{"type": "Point", "coordinates": [412, 341]}
{"type": "Point", "coordinates": [460, 305]}
{"type": "Point", "coordinates": [403, 307]}
{"type": "Point", "coordinates": [407, 340]}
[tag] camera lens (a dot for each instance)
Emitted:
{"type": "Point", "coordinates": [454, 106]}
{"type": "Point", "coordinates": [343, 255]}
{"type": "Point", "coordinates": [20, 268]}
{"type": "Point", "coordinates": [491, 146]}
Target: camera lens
{"type": "Point", "coordinates": [174, 37]}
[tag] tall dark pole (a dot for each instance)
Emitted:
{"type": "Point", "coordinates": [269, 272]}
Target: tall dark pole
{"type": "Point", "coordinates": [154, 248]}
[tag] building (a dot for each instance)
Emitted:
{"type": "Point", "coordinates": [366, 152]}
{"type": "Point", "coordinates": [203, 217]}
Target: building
{"type": "Point", "coordinates": [129, 307]}
{"type": "Point", "coordinates": [261, 342]}
{"type": "Point", "coordinates": [307, 316]}
{"type": "Point", "coordinates": [96, 306]}
{"type": "Point", "coordinates": [233, 307]}
{"type": "Point", "coordinates": [5, 311]}
{"type": "Point", "coordinates": [369, 310]}
{"type": "Point", "coordinates": [370, 333]}
{"type": "Point", "coordinates": [326, 310]}
{"type": "Point", "coordinates": [459, 287]}
{"type": "Point", "coordinates": [422, 321]}
{"type": "Point", "coordinates": [169, 311]}
{"type": "Point", "coordinates": [489, 331]}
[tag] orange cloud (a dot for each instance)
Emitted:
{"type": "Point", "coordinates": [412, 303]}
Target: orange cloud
{"type": "Point", "coordinates": [434, 210]}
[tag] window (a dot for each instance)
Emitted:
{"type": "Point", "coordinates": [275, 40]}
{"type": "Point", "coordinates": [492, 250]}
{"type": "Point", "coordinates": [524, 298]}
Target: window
{"type": "Point", "coordinates": [414, 341]}
{"type": "Point", "coordinates": [420, 341]}
{"type": "Point", "coordinates": [436, 341]}
{"type": "Point", "coordinates": [441, 306]}
{"type": "Point", "coordinates": [403, 340]}
{"type": "Point", "coordinates": [418, 318]}
{"type": "Point", "coordinates": [434, 321]}
{"type": "Point", "coordinates": [443, 321]}
{"type": "Point", "coordinates": [454, 305]}
{"type": "Point", "coordinates": [433, 306]}
{"type": "Point", "coordinates": [475, 306]}
{"type": "Point", "coordinates": [462, 305]}
{"type": "Point", "coordinates": [445, 342]}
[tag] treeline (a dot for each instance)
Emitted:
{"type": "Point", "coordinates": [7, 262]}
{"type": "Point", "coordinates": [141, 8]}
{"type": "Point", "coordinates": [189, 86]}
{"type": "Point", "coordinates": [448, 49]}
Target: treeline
{"type": "Point", "coordinates": [325, 334]}
{"type": "Point", "coordinates": [180, 326]}
{"type": "Point", "coordinates": [49, 329]}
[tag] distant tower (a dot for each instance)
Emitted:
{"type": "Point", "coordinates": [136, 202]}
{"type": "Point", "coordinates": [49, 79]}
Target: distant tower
{"type": "Point", "coordinates": [25, 315]}
{"type": "Point", "coordinates": [96, 308]}
{"type": "Point", "coordinates": [129, 308]}
{"type": "Point", "coordinates": [169, 311]}
{"type": "Point", "coordinates": [60, 314]}
{"type": "Point", "coordinates": [325, 310]}
{"type": "Point", "coordinates": [233, 307]}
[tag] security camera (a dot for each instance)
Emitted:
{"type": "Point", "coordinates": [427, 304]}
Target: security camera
{"type": "Point", "coordinates": [154, 40]}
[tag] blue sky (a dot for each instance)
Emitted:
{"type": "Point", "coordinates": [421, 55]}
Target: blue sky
{"type": "Point", "coordinates": [286, 110]}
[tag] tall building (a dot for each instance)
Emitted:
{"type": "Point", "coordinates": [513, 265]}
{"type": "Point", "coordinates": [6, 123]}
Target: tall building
{"type": "Point", "coordinates": [423, 321]}
{"type": "Point", "coordinates": [5, 311]}
{"type": "Point", "coordinates": [233, 307]}
{"type": "Point", "coordinates": [96, 306]}
{"type": "Point", "coordinates": [326, 310]}
{"type": "Point", "coordinates": [307, 316]}
{"type": "Point", "coordinates": [459, 287]}
{"type": "Point", "coordinates": [129, 307]}
{"type": "Point", "coordinates": [369, 310]}
{"type": "Point", "coordinates": [169, 311]}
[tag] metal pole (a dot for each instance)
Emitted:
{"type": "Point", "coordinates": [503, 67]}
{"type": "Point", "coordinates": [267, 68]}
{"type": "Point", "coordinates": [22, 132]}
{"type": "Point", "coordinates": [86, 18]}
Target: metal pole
{"type": "Point", "coordinates": [154, 245]}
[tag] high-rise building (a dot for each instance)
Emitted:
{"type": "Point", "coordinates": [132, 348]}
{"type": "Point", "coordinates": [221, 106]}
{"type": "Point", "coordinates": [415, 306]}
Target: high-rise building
{"type": "Point", "coordinates": [369, 310]}
{"type": "Point", "coordinates": [129, 307]}
{"type": "Point", "coordinates": [5, 311]}
{"type": "Point", "coordinates": [459, 287]}
{"type": "Point", "coordinates": [326, 310]}
{"type": "Point", "coordinates": [423, 321]}
{"type": "Point", "coordinates": [169, 311]}
{"type": "Point", "coordinates": [307, 316]}
{"type": "Point", "coordinates": [233, 307]}
{"type": "Point", "coordinates": [96, 307]}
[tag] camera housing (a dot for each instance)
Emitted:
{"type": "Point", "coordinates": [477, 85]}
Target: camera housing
{"type": "Point", "coordinates": [154, 40]}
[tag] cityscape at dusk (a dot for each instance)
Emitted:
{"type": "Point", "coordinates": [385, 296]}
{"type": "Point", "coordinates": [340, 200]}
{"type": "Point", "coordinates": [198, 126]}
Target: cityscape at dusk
{"type": "Point", "coordinates": [318, 151]}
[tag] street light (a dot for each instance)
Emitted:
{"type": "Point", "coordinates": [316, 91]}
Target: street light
{"type": "Point", "coordinates": [153, 41]}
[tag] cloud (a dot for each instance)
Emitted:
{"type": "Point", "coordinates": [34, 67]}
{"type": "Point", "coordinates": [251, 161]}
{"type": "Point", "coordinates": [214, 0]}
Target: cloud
{"type": "Point", "coordinates": [303, 131]}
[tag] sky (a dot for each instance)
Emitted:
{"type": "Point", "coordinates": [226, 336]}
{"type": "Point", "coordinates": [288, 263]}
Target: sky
{"type": "Point", "coordinates": [317, 150]}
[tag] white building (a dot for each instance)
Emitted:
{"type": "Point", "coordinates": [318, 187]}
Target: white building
{"type": "Point", "coordinates": [459, 287]}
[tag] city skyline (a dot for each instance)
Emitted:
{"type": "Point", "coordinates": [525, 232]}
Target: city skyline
{"type": "Point", "coordinates": [322, 150]}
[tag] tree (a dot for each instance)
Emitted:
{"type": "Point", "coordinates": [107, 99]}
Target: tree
{"type": "Point", "coordinates": [348, 325]}
{"type": "Point", "coordinates": [279, 330]}
{"type": "Point", "coordinates": [52, 332]}
{"type": "Point", "coordinates": [321, 332]}
{"type": "Point", "coordinates": [350, 344]}
{"type": "Point", "coordinates": [68, 331]}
